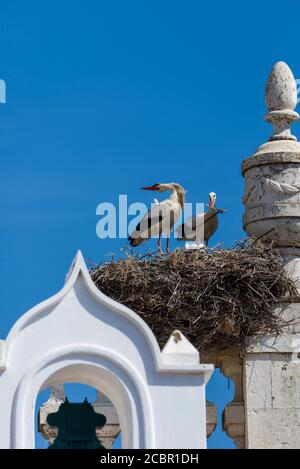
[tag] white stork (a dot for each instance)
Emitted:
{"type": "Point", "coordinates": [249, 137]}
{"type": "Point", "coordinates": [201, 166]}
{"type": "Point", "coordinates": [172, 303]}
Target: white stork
{"type": "Point", "coordinates": [201, 227]}
{"type": "Point", "coordinates": [161, 217]}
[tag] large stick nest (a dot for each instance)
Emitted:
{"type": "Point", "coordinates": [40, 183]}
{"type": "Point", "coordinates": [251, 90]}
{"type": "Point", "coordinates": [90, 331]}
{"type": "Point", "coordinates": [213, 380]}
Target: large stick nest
{"type": "Point", "coordinates": [216, 298]}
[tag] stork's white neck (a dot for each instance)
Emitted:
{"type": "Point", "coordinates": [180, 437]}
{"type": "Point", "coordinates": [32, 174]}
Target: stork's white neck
{"type": "Point", "coordinates": [177, 196]}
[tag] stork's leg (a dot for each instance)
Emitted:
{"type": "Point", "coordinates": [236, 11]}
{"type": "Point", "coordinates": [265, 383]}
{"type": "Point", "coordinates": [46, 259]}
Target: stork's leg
{"type": "Point", "coordinates": [159, 245]}
{"type": "Point", "coordinates": [167, 245]}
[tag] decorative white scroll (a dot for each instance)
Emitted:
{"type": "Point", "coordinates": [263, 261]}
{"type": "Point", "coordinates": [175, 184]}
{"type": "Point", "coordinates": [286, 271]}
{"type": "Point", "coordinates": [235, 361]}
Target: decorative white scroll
{"type": "Point", "coordinates": [281, 188]}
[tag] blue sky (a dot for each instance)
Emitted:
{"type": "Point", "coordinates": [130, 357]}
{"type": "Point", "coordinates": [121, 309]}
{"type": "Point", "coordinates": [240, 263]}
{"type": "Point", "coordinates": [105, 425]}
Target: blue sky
{"type": "Point", "coordinates": [104, 97]}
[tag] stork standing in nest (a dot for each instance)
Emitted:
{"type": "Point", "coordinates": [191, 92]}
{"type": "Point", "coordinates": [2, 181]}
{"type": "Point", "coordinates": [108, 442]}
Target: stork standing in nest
{"type": "Point", "coordinates": [201, 227]}
{"type": "Point", "coordinates": [161, 218]}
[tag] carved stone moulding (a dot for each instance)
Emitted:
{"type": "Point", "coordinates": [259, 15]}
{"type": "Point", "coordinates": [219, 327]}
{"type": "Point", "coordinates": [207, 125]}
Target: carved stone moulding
{"type": "Point", "coordinates": [272, 174]}
{"type": "Point", "coordinates": [272, 193]}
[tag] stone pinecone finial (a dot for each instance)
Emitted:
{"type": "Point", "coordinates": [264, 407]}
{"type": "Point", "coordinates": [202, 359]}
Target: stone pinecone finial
{"type": "Point", "coordinates": [281, 100]}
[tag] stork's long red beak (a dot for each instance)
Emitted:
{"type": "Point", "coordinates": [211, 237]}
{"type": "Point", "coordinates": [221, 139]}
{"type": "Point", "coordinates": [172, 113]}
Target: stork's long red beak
{"type": "Point", "coordinates": [150, 188]}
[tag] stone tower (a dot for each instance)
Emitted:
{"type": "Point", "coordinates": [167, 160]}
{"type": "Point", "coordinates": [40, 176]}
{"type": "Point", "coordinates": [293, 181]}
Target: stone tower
{"type": "Point", "coordinates": [272, 174]}
{"type": "Point", "coordinates": [271, 366]}
{"type": "Point", "coordinates": [265, 410]}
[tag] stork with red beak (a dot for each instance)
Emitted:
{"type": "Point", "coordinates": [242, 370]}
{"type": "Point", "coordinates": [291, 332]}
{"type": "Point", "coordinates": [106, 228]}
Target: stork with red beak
{"type": "Point", "coordinates": [201, 227]}
{"type": "Point", "coordinates": [162, 216]}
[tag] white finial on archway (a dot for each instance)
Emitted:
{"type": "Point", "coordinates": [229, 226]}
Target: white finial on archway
{"type": "Point", "coordinates": [178, 350]}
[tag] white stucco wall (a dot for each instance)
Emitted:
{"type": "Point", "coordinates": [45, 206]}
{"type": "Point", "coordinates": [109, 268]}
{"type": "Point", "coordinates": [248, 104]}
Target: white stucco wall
{"type": "Point", "coordinates": [81, 335]}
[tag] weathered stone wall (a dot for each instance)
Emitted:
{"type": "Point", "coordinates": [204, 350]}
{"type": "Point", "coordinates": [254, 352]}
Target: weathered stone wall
{"type": "Point", "coordinates": [272, 392]}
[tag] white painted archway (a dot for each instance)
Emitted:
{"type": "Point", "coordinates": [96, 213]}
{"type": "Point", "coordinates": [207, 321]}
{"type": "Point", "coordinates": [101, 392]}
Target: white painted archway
{"type": "Point", "coordinates": [81, 335]}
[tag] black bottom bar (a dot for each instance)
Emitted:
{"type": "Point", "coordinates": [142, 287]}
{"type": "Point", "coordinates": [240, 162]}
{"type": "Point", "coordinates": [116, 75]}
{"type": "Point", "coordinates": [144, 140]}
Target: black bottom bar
{"type": "Point", "coordinates": [136, 458]}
